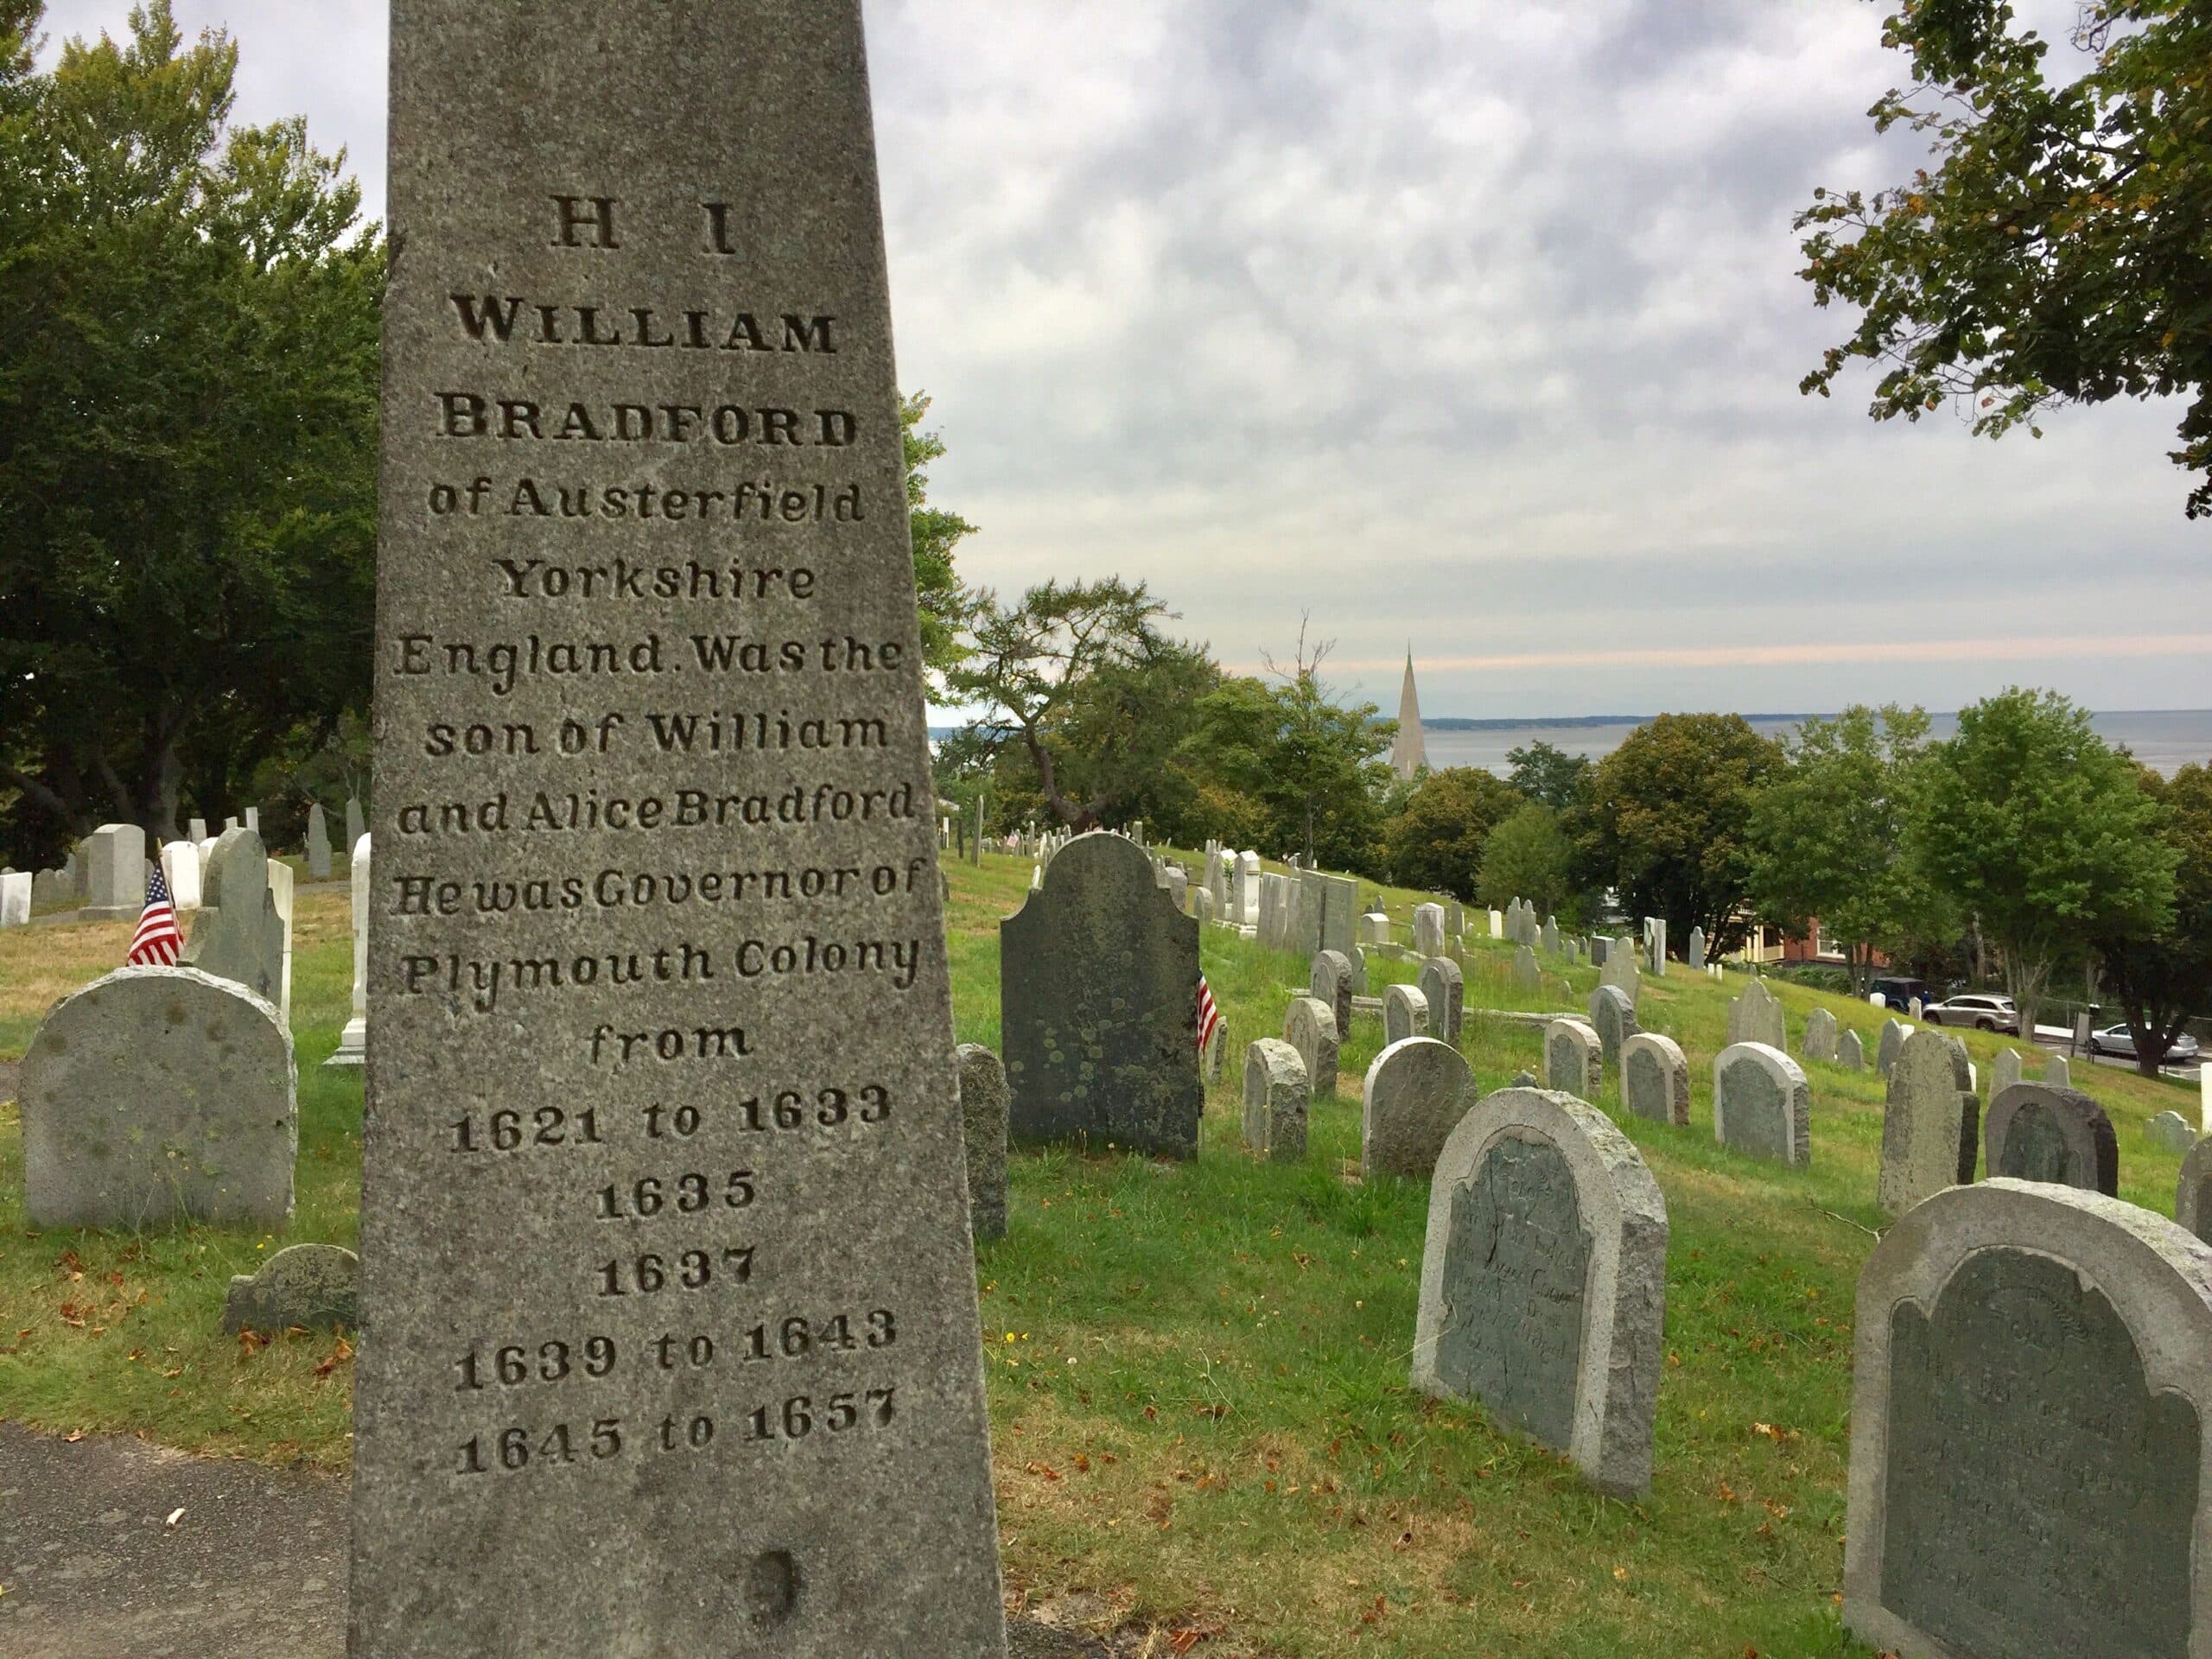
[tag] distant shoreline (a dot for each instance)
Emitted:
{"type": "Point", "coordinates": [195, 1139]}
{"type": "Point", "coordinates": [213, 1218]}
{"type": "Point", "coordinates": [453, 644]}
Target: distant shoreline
{"type": "Point", "coordinates": [1460, 724]}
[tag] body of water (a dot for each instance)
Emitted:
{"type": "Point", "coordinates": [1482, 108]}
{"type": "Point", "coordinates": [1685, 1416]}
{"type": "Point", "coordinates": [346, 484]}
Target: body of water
{"type": "Point", "coordinates": [2164, 740]}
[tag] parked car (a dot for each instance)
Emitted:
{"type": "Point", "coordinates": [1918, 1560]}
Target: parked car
{"type": "Point", "coordinates": [1978, 1009]}
{"type": "Point", "coordinates": [2118, 1039]}
{"type": "Point", "coordinates": [1899, 992]}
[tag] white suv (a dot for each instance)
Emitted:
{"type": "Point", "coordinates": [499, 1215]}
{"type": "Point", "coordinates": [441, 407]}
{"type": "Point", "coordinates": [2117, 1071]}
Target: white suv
{"type": "Point", "coordinates": [1982, 1012]}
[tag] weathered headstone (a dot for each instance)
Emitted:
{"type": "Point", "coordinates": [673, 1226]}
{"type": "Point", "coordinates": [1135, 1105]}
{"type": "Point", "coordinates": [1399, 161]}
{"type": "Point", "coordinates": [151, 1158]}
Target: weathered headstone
{"type": "Point", "coordinates": [1248, 889]}
{"type": "Point", "coordinates": [1695, 954]}
{"type": "Point", "coordinates": [2058, 1071]}
{"type": "Point", "coordinates": [1600, 950]}
{"type": "Point", "coordinates": [1655, 1078]}
{"type": "Point", "coordinates": [1310, 1027]}
{"type": "Point", "coordinates": [1445, 989]}
{"type": "Point", "coordinates": [252, 819]}
{"type": "Point", "coordinates": [1328, 912]}
{"type": "Point", "coordinates": [1573, 1063]}
{"type": "Point", "coordinates": [1178, 885]}
{"type": "Point", "coordinates": [694, 186]}
{"type": "Point", "coordinates": [1658, 946]}
{"type": "Point", "coordinates": [1549, 935]}
{"type": "Point", "coordinates": [278, 924]}
{"type": "Point", "coordinates": [2193, 1194]}
{"type": "Point", "coordinates": [2044, 1132]}
{"type": "Point", "coordinates": [2032, 1371]}
{"type": "Point", "coordinates": [1496, 924]}
{"type": "Point", "coordinates": [2171, 1131]}
{"type": "Point", "coordinates": [1543, 1285]}
{"type": "Point", "coordinates": [1374, 929]}
{"type": "Point", "coordinates": [2004, 1071]}
{"type": "Point", "coordinates": [1819, 1039]}
{"type": "Point", "coordinates": [1620, 970]}
{"type": "Point", "coordinates": [1405, 1013]}
{"type": "Point", "coordinates": [1098, 981]}
{"type": "Point", "coordinates": [1331, 981]}
{"type": "Point", "coordinates": [314, 1286]}
{"type": "Point", "coordinates": [1930, 1124]}
{"type": "Point", "coordinates": [1277, 1098]}
{"type": "Point", "coordinates": [1894, 1031]}
{"type": "Point", "coordinates": [158, 1095]}
{"type": "Point", "coordinates": [1612, 1016]}
{"type": "Point", "coordinates": [1429, 929]}
{"type": "Point", "coordinates": [983, 1097]}
{"type": "Point", "coordinates": [237, 935]}
{"type": "Point", "coordinates": [181, 870]}
{"type": "Point", "coordinates": [356, 825]}
{"type": "Point", "coordinates": [114, 861]}
{"type": "Point", "coordinates": [1525, 975]}
{"type": "Point", "coordinates": [196, 831]}
{"type": "Point", "coordinates": [1201, 902]}
{"type": "Point", "coordinates": [353, 1042]}
{"type": "Point", "coordinates": [1851, 1053]}
{"type": "Point", "coordinates": [14, 898]}
{"type": "Point", "coordinates": [1413, 1093]}
{"type": "Point", "coordinates": [1761, 1103]}
{"type": "Point", "coordinates": [1756, 1017]}
{"type": "Point", "coordinates": [318, 844]}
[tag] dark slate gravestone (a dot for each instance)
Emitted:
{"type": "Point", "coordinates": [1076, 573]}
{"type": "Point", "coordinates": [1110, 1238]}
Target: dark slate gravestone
{"type": "Point", "coordinates": [1414, 1092]}
{"type": "Point", "coordinates": [1332, 983]}
{"type": "Point", "coordinates": [2032, 1367]}
{"type": "Point", "coordinates": [1543, 1281]}
{"type": "Point", "coordinates": [1572, 1062]}
{"type": "Point", "coordinates": [2041, 1131]}
{"type": "Point", "coordinates": [1612, 1016]}
{"type": "Point", "coordinates": [712, 1111]}
{"type": "Point", "coordinates": [982, 1129]}
{"type": "Point", "coordinates": [1098, 984]}
{"type": "Point", "coordinates": [1761, 1103]}
{"type": "Point", "coordinates": [1655, 1078]}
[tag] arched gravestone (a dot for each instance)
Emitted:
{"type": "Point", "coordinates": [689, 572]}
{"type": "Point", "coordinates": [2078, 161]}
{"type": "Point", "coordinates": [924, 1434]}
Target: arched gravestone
{"type": "Point", "coordinates": [1612, 1016]}
{"type": "Point", "coordinates": [2040, 1132]}
{"type": "Point", "coordinates": [1894, 1031]}
{"type": "Point", "coordinates": [237, 936]}
{"type": "Point", "coordinates": [1655, 1078]}
{"type": "Point", "coordinates": [1405, 1013]}
{"type": "Point", "coordinates": [2028, 1446]}
{"type": "Point", "coordinates": [1414, 1092]}
{"type": "Point", "coordinates": [1310, 1027]}
{"type": "Point", "coordinates": [1098, 979]}
{"type": "Point", "coordinates": [1819, 1039]}
{"type": "Point", "coordinates": [1929, 1123]}
{"type": "Point", "coordinates": [1756, 1017]}
{"type": "Point", "coordinates": [1332, 983]}
{"type": "Point", "coordinates": [1277, 1100]}
{"type": "Point", "coordinates": [2193, 1195]}
{"type": "Point", "coordinates": [1573, 1063]}
{"type": "Point", "coordinates": [983, 1126]}
{"type": "Point", "coordinates": [2170, 1131]}
{"type": "Point", "coordinates": [159, 1095]}
{"type": "Point", "coordinates": [1525, 975]}
{"type": "Point", "coordinates": [1445, 988]}
{"type": "Point", "coordinates": [1543, 1284]}
{"type": "Point", "coordinates": [1761, 1104]}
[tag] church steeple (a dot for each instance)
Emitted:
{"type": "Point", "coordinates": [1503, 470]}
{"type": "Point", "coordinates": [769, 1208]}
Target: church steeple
{"type": "Point", "coordinates": [1409, 754]}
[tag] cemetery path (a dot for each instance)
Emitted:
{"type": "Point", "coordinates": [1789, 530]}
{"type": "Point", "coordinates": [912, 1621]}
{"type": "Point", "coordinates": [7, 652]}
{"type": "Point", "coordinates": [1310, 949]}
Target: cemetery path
{"type": "Point", "coordinates": [92, 1566]}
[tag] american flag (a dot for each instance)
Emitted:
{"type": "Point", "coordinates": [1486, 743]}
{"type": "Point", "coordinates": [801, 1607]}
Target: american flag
{"type": "Point", "coordinates": [1209, 1015]}
{"type": "Point", "coordinates": [156, 944]}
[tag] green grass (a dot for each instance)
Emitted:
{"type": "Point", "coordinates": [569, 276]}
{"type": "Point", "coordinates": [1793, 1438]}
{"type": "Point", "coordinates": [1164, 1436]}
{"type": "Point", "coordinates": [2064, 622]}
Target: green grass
{"type": "Point", "coordinates": [1198, 1371]}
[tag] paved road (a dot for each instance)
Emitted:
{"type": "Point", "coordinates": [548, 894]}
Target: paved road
{"type": "Point", "coordinates": [93, 1565]}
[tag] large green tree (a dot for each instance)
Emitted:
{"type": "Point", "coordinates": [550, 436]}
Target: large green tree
{"type": "Point", "coordinates": [2162, 976]}
{"type": "Point", "coordinates": [947, 603]}
{"type": "Point", "coordinates": [2041, 834]}
{"type": "Point", "coordinates": [1667, 819]}
{"type": "Point", "coordinates": [187, 433]}
{"type": "Point", "coordinates": [1435, 841]}
{"type": "Point", "coordinates": [1528, 857]}
{"type": "Point", "coordinates": [2055, 249]}
{"type": "Point", "coordinates": [1829, 835]}
{"type": "Point", "coordinates": [1544, 772]}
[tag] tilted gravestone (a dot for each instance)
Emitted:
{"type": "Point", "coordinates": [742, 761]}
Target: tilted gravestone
{"type": "Point", "coordinates": [1098, 979]}
{"type": "Point", "coordinates": [983, 1097]}
{"type": "Point", "coordinates": [1761, 1103]}
{"type": "Point", "coordinates": [1405, 1013]}
{"type": "Point", "coordinates": [1655, 1078]}
{"type": "Point", "coordinates": [1445, 989]}
{"type": "Point", "coordinates": [314, 1286]}
{"type": "Point", "coordinates": [1429, 929]}
{"type": "Point", "coordinates": [1894, 1031]}
{"type": "Point", "coordinates": [2004, 1071]}
{"type": "Point", "coordinates": [1819, 1039]}
{"type": "Point", "coordinates": [1525, 975]}
{"type": "Point", "coordinates": [1277, 1099]}
{"type": "Point", "coordinates": [155, 1096]}
{"type": "Point", "coordinates": [1930, 1123]}
{"type": "Point", "coordinates": [2171, 1131]}
{"type": "Point", "coordinates": [2033, 1366]}
{"type": "Point", "coordinates": [1310, 1027]}
{"type": "Point", "coordinates": [1573, 1063]}
{"type": "Point", "coordinates": [2040, 1132]}
{"type": "Point", "coordinates": [318, 844]}
{"type": "Point", "coordinates": [1413, 1093]}
{"type": "Point", "coordinates": [2192, 1194]}
{"type": "Point", "coordinates": [233, 935]}
{"type": "Point", "coordinates": [1543, 1285]}
{"type": "Point", "coordinates": [2059, 1071]}
{"type": "Point", "coordinates": [1850, 1053]}
{"type": "Point", "coordinates": [695, 187]}
{"type": "Point", "coordinates": [1612, 1016]}
{"type": "Point", "coordinates": [1331, 980]}
{"type": "Point", "coordinates": [1756, 1017]}
{"type": "Point", "coordinates": [114, 860]}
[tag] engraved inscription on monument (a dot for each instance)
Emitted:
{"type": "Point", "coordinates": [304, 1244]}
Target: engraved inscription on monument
{"type": "Point", "coordinates": [670, 1339]}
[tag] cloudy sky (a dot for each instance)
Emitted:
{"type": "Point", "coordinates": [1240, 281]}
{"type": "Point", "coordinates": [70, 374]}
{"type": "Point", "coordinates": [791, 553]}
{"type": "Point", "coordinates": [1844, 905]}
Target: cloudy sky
{"type": "Point", "coordinates": [1464, 325]}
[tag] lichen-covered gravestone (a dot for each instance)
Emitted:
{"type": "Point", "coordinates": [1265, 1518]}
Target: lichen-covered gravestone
{"type": "Point", "coordinates": [1819, 1039]}
{"type": "Point", "coordinates": [1429, 929]}
{"type": "Point", "coordinates": [1277, 1096]}
{"type": "Point", "coordinates": [2004, 1071]}
{"type": "Point", "coordinates": [318, 844]}
{"type": "Point", "coordinates": [1330, 982]}
{"type": "Point", "coordinates": [2041, 1131]}
{"type": "Point", "coordinates": [1695, 953]}
{"type": "Point", "coordinates": [1310, 1027]}
{"type": "Point", "coordinates": [1894, 1031]}
{"type": "Point", "coordinates": [155, 1096]}
{"type": "Point", "coordinates": [1655, 1078]}
{"type": "Point", "coordinates": [2171, 1131]}
{"type": "Point", "coordinates": [1761, 1103]}
{"type": "Point", "coordinates": [1549, 936]}
{"type": "Point", "coordinates": [1612, 1016]}
{"type": "Point", "coordinates": [2193, 1194]}
{"type": "Point", "coordinates": [1405, 1013]}
{"type": "Point", "coordinates": [1098, 980]}
{"type": "Point", "coordinates": [1573, 1063]}
{"type": "Point", "coordinates": [237, 935]}
{"type": "Point", "coordinates": [1413, 1093]}
{"type": "Point", "coordinates": [1543, 1285]}
{"type": "Point", "coordinates": [1525, 976]}
{"type": "Point", "coordinates": [2029, 1470]}
{"type": "Point", "coordinates": [314, 1286]}
{"type": "Point", "coordinates": [1929, 1123]}
{"type": "Point", "coordinates": [719, 1096]}
{"type": "Point", "coordinates": [1850, 1053]}
{"type": "Point", "coordinates": [1445, 988]}
{"type": "Point", "coordinates": [982, 1129]}
{"type": "Point", "coordinates": [1756, 1017]}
